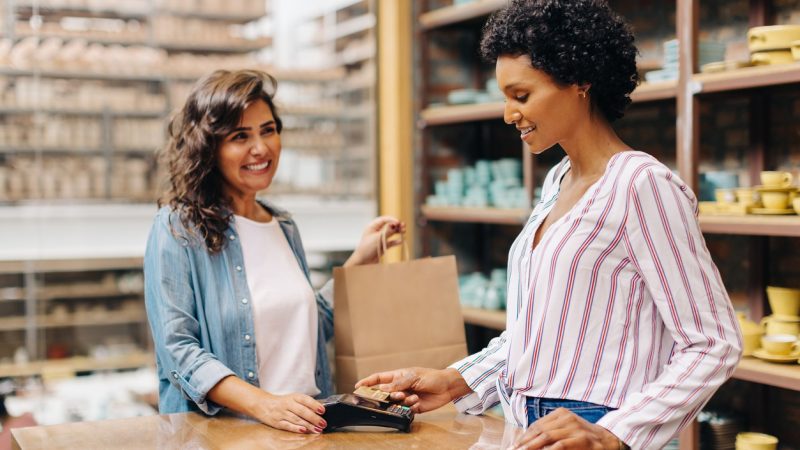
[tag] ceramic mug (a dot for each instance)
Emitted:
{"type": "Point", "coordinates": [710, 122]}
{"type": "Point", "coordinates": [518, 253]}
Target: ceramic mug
{"type": "Point", "coordinates": [784, 301]}
{"type": "Point", "coordinates": [779, 344]}
{"type": "Point", "coordinates": [773, 178]}
{"type": "Point", "coordinates": [779, 325]}
{"type": "Point", "coordinates": [756, 441]}
{"type": "Point", "coordinates": [775, 199]}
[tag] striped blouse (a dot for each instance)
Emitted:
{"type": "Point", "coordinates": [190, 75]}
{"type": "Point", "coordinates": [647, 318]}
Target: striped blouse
{"type": "Point", "coordinates": [619, 304]}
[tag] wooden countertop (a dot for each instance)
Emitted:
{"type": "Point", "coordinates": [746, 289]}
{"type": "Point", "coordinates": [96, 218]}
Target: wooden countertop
{"type": "Point", "coordinates": [444, 428]}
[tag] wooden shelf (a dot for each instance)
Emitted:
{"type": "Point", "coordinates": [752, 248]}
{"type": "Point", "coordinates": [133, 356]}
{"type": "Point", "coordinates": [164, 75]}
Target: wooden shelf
{"type": "Point", "coordinates": [70, 265]}
{"type": "Point", "coordinates": [24, 9]}
{"type": "Point", "coordinates": [745, 78]}
{"type": "Point", "coordinates": [495, 320]}
{"type": "Point", "coordinates": [442, 115]}
{"type": "Point", "coordinates": [67, 292]}
{"type": "Point", "coordinates": [751, 225]}
{"type": "Point", "coordinates": [74, 320]}
{"type": "Point", "coordinates": [211, 15]}
{"type": "Point", "coordinates": [647, 92]}
{"type": "Point", "coordinates": [210, 47]}
{"type": "Point", "coordinates": [459, 13]}
{"type": "Point", "coordinates": [476, 215]}
{"type": "Point", "coordinates": [786, 376]}
{"type": "Point", "coordinates": [79, 75]}
{"type": "Point", "coordinates": [82, 112]}
{"type": "Point", "coordinates": [77, 364]}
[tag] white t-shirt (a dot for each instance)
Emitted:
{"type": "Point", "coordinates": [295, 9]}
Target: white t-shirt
{"type": "Point", "coordinates": [284, 309]}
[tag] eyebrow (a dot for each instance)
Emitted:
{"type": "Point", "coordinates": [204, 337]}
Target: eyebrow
{"type": "Point", "coordinates": [511, 86]}
{"type": "Point", "coordinates": [265, 124]}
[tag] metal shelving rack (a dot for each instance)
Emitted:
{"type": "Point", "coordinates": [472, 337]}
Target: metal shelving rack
{"type": "Point", "coordinates": [688, 91]}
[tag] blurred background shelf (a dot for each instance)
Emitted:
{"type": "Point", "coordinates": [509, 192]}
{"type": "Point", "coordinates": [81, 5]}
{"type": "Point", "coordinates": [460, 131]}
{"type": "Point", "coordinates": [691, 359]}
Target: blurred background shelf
{"type": "Point", "coordinates": [476, 215]}
{"type": "Point", "coordinates": [787, 226]}
{"type": "Point", "coordinates": [785, 376]}
{"type": "Point", "coordinates": [745, 78]}
{"type": "Point", "coordinates": [455, 14]}
{"type": "Point", "coordinates": [495, 320]}
{"type": "Point", "coordinates": [77, 364]}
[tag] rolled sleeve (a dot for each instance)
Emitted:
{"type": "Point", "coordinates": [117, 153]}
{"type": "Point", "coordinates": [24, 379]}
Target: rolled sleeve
{"type": "Point", "coordinates": [667, 247]}
{"type": "Point", "coordinates": [172, 315]}
{"type": "Point", "coordinates": [480, 371]}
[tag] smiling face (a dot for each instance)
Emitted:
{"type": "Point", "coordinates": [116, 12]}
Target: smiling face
{"type": "Point", "coordinates": [544, 111]}
{"type": "Point", "coordinates": [248, 156]}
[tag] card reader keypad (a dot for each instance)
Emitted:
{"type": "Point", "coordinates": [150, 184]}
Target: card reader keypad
{"type": "Point", "coordinates": [398, 409]}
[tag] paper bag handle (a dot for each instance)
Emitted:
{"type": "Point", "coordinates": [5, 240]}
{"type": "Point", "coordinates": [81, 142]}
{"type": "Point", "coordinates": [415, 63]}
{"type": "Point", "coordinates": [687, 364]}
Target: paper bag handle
{"type": "Point", "coordinates": [383, 245]}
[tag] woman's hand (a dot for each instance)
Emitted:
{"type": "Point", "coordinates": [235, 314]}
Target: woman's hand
{"type": "Point", "coordinates": [563, 429]}
{"type": "Point", "coordinates": [419, 388]}
{"type": "Point", "coordinates": [297, 413]}
{"type": "Point", "coordinates": [367, 250]}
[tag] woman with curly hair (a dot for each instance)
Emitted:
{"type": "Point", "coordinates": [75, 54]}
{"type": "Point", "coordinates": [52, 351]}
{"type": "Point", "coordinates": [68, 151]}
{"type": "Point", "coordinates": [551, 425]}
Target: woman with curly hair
{"type": "Point", "coordinates": [618, 327]}
{"type": "Point", "coordinates": [235, 320]}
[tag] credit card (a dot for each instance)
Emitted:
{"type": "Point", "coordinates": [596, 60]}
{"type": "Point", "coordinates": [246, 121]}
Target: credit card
{"type": "Point", "coordinates": [372, 394]}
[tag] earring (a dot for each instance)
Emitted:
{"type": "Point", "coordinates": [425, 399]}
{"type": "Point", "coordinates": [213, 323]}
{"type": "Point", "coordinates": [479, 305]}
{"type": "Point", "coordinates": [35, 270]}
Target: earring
{"type": "Point", "coordinates": [582, 94]}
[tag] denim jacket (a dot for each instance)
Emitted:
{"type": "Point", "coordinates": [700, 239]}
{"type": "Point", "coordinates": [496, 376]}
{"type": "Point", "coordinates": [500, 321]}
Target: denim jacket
{"type": "Point", "coordinates": [199, 309]}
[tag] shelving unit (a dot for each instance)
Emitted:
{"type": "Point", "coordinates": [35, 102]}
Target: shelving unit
{"type": "Point", "coordinates": [688, 95]}
{"type": "Point", "coordinates": [72, 297]}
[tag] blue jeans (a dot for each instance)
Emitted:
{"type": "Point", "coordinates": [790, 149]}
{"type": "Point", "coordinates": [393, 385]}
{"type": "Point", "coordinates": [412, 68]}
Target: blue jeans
{"type": "Point", "coordinates": [540, 407]}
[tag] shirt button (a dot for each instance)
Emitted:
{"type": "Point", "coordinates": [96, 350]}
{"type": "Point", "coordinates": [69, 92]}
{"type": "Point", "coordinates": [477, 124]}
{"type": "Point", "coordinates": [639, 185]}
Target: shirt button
{"type": "Point", "coordinates": [246, 337]}
{"type": "Point", "coordinates": [239, 268]}
{"type": "Point", "coordinates": [175, 375]}
{"type": "Point", "coordinates": [233, 237]}
{"type": "Point", "coordinates": [250, 375]}
{"type": "Point", "coordinates": [244, 300]}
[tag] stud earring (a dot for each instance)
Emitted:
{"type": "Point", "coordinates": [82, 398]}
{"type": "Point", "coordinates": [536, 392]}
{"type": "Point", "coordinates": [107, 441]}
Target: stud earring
{"type": "Point", "coordinates": [582, 94]}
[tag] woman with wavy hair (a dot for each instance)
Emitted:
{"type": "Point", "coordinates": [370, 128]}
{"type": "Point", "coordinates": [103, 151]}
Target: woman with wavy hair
{"type": "Point", "coordinates": [618, 326]}
{"type": "Point", "coordinates": [235, 320]}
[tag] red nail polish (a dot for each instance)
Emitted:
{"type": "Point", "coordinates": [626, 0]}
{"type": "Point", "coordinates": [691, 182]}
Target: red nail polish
{"type": "Point", "coordinates": [303, 430]}
{"type": "Point", "coordinates": [323, 424]}
{"type": "Point", "coordinates": [321, 410]}
{"type": "Point", "coordinates": [318, 429]}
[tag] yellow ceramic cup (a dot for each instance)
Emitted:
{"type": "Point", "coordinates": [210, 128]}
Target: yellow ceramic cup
{"type": "Point", "coordinates": [747, 196]}
{"type": "Point", "coordinates": [784, 301]}
{"type": "Point", "coordinates": [756, 441]}
{"type": "Point", "coordinates": [773, 178]}
{"type": "Point", "coordinates": [796, 204]}
{"type": "Point", "coordinates": [779, 344]}
{"type": "Point", "coordinates": [781, 325]}
{"type": "Point", "coordinates": [775, 199]}
{"type": "Point", "coordinates": [724, 196]}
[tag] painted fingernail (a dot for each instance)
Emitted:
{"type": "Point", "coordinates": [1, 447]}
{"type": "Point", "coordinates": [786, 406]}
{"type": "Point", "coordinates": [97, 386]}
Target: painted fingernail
{"type": "Point", "coordinates": [323, 424]}
{"type": "Point", "coordinates": [318, 429]}
{"type": "Point", "coordinates": [321, 410]}
{"type": "Point", "coordinates": [303, 430]}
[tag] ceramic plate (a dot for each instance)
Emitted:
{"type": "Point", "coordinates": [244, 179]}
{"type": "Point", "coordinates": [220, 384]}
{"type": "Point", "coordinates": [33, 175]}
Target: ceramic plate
{"type": "Point", "coordinates": [770, 211]}
{"type": "Point", "coordinates": [766, 356]}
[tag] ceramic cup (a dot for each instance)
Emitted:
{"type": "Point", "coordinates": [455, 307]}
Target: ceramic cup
{"type": "Point", "coordinates": [775, 199]}
{"type": "Point", "coordinates": [781, 325]}
{"type": "Point", "coordinates": [779, 344]}
{"type": "Point", "coordinates": [756, 441]}
{"type": "Point", "coordinates": [784, 301]}
{"type": "Point", "coordinates": [796, 204]}
{"type": "Point", "coordinates": [724, 195]}
{"type": "Point", "coordinates": [776, 179]}
{"type": "Point", "coordinates": [747, 196]}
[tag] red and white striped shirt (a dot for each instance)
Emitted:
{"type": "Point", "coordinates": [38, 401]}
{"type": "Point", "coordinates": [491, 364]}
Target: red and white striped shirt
{"type": "Point", "coordinates": [619, 304]}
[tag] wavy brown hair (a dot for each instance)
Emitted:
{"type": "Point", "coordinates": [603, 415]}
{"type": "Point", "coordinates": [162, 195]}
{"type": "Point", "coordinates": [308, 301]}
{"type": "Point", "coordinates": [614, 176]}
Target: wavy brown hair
{"type": "Point", "coordinates": [212, 111]}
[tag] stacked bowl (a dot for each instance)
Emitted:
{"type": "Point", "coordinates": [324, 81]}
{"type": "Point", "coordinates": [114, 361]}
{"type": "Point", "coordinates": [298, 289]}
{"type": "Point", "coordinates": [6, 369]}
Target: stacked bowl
{"type": "Point", "coordinates": [774, 44]}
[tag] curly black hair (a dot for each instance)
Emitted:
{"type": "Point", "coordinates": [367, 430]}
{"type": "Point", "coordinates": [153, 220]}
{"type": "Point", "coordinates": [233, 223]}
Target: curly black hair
{"type": "Point", "coordinates": [573, 41]}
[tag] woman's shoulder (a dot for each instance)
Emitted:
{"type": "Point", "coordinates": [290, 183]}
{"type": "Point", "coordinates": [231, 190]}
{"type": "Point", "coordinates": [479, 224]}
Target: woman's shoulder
{"type": "Point", "coordinates": [638, 169]}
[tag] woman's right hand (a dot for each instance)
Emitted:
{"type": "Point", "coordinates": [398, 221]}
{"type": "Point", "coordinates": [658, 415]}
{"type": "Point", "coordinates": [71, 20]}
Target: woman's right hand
{"type": "Point", "coordinates": [297, 413]}
{"type": "Point", "coordinates": [420, 388]}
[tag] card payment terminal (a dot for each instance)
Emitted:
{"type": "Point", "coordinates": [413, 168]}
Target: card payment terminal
{"type": "Point", "coordinates": [346, 410]}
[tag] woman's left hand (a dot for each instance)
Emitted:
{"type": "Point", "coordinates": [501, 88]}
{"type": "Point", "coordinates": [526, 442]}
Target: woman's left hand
{"type": "Point", "coordinates": [367, 250]}
{"type": "Point", "coordinates": [563, 429]}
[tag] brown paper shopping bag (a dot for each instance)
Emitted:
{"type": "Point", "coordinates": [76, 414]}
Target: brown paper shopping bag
{"type": "Point", "coordinates": [389, 316]}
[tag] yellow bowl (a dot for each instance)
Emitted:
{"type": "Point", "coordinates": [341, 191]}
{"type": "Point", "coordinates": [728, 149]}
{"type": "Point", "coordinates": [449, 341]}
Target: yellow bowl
{"type": "Point", "coordinates": [772, 37]}
{"type": "Point", "coordinates": [756, 441]}
{"type": "Point", "coordinates": [772, 57]}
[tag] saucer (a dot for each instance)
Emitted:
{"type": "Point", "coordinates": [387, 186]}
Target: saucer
{"type": "Point", "coordinates": [767, 356]}
{"type": "Point", "coordinates": [762, 187]}
{"type": "Point", "coordinates": [773, 212]}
